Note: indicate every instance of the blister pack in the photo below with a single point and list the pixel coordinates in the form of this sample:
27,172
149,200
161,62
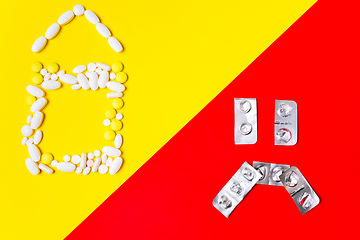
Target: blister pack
299,189
245,120
236,189
286,127
270,172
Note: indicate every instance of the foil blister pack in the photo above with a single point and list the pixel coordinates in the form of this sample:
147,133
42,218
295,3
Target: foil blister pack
286,126
245,120
270,172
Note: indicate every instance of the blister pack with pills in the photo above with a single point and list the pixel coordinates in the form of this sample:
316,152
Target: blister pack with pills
245,120
286,128
299,189
236,189
270,172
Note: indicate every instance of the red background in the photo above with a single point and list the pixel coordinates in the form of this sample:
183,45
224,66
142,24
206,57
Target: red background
315,63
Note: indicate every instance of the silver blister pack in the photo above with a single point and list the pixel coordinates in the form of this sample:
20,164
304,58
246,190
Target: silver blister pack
299,189
270,172
245,120
236,189
286,126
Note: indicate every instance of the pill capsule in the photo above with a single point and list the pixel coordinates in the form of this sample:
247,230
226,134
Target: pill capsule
26,131
103,158
103,66
76,159
86,171
66,158
97,153
79,69
96,164
37,119
34,152
115,86
93,81
45,168
54,163
78,10
35,91
103,30
66,17
65,166
91,17
91,67
24,140
90,155
75,87
83,161
115,165
89,163
38,105
112,76
118,140
103,79
107,122
37,137
69,79
52,31
32,166
115,44
60,73
119,116
78,170
114,95
39,44
111,151
83,81
43,71
51,85
103,169
54,76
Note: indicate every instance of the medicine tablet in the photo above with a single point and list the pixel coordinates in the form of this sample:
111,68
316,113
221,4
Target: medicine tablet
109,135
28,119
30,100
69,79
52,31
119,116
83,161
89,163
35,91
112,76
51,85
103,158
115,86
37,78
118,103
32,166
90,155
103,79
116,125
38,105
115,165
103,169
91,67
75,87
37,137
34,152
97,153
79,69
103,66
108,162
118,140
47,77
86,171
53,67
54,163
98,71
111,151
36,66
115,44
121,77
96,164
103,30
114,95
67,158
93,81
37,119
61,72
78,10
110,113
83,81
117,66
43,71
107,122
75,159
46,158
54,76
91,17
24,140
45,168
65,166
39,44
78,170
66,17
26,131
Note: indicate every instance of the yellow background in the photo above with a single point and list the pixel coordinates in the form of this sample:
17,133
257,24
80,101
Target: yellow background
178,54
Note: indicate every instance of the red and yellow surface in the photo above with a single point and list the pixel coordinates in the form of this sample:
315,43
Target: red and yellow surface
183,59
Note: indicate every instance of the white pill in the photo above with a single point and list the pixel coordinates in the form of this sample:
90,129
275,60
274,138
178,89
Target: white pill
90,156
26,131
47,76
75,87
83,81
114,95
96,164
98,71
78,170
75,159
97,153
24,140
67,158
66,17
103,169
91,67
78,10
34,152
45,168
69,79
32,166
38,105
103,79
65,166
115,165
103,30
91,17
93,81
118,140
54,163
87,74
115,44
119,116
61,72
31,140
43,71
83,161
112,76
52,31
103,66
37,137
54,76
111,151
103,158
35,91
108,162
106,122
115,86
39,44
79,69
37,120
86,171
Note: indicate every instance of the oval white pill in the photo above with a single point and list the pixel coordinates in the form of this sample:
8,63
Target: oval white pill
75,159
103,79
65,166
69,79
91,17
37,137
86,171
111,151
54,163
91,67
103,30
106,122
78,170
115,86
115,44
119,116
24,140
114,95
66,17
39,44
45,168
79,69
34,152
32,166
54,76
118,141
60,73
93,81
83,161
43,71
52,31
103,158
103,66
51,85
112,76
115,165
35,91
75,87
27,131
96,164
78,10
103,169
38,105
97,153
66,158
37,119
83,81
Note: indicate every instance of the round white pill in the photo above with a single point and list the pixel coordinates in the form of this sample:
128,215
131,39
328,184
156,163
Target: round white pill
28,119
78,170
97,153
54,163
107,123
91,67
43,71
78,10
24,140
28,131
66,158
112,76
75,159
90,156
54,76
119,116
103,169
86,171
109,161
